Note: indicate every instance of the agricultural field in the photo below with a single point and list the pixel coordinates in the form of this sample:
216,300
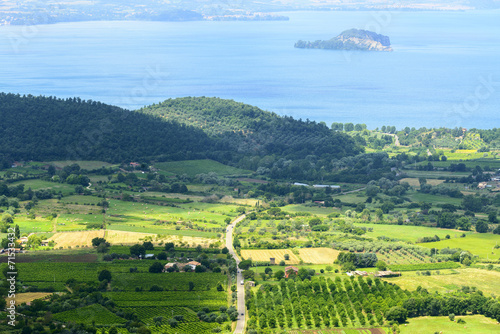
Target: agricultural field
88,165
72,239
450,280
195,167
266,254
415,183
473,324
318,255
480,244
433,174
410,233
37,184
28,297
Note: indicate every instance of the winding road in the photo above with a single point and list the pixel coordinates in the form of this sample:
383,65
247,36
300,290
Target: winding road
240,324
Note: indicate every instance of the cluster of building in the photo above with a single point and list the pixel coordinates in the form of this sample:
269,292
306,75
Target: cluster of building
182,266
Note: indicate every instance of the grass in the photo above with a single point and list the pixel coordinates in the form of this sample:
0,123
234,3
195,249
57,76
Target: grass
266,254
72,239
95,313
29,297
410,233
475,324
319,211
434,199
484,280
480,244
195,167
36,184
415,183
434,174
318,255
89,165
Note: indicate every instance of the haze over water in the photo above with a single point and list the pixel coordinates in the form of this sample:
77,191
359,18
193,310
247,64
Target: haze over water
437,75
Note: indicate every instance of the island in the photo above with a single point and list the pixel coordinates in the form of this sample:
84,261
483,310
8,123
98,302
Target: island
352,39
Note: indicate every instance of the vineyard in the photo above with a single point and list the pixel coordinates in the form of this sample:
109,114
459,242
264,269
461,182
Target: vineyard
426,266
169,281
195,300
403,256
189,324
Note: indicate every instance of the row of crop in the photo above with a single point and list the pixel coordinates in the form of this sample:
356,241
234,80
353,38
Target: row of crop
147,314
169,281
425,266
94,313
212,300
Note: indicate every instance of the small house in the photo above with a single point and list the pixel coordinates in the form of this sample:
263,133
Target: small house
251,283
149,256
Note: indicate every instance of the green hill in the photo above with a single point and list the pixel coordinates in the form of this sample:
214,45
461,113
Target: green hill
47,128
250,130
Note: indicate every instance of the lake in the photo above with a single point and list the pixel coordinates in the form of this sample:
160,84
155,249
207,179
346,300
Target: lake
444,71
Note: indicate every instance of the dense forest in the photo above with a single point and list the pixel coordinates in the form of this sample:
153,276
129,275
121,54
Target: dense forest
47,128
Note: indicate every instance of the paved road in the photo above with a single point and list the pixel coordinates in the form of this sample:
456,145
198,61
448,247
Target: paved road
240,324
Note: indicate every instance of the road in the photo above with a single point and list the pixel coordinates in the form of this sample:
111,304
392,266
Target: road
240,324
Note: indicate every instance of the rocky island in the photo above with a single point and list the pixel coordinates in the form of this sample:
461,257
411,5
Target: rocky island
353,39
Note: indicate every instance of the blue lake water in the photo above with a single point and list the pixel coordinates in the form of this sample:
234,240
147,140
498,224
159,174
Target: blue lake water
444,71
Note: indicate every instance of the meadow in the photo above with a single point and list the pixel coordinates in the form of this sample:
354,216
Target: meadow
474,324
195,167
480,244
450,280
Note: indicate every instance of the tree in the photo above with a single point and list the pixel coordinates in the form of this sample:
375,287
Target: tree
287,257
191,286
104,275
34,241
219,287
225,250
245,264
137,250
162,256
248,274
148,245
7,218
381,265
97,241
481,226
348,127
396,313
492,217
156,267
169,246
279,274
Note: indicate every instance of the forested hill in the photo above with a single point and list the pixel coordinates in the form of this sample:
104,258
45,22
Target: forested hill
250,130
46,128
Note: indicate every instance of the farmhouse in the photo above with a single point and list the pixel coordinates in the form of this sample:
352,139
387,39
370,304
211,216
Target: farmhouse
482,185
290,269
251,283
387,273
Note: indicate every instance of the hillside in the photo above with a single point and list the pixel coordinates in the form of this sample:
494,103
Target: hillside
46,128
250,130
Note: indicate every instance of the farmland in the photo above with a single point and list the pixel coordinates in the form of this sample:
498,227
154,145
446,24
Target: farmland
482,245
484,280
473,324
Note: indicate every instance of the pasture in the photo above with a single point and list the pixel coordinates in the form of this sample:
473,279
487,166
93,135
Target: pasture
84,164
266,254
415,183
475,324
481,244
451,280
195,167
318,255
410,233
28,297
72,239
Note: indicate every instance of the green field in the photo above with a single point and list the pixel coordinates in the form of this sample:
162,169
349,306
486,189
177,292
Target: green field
195,167
410,233
481,244
94,313
434,174
475,324
450,280
36,184
434,199
89,165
